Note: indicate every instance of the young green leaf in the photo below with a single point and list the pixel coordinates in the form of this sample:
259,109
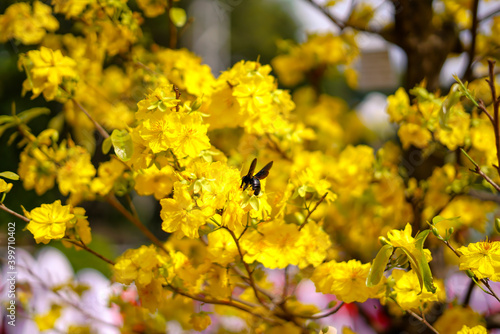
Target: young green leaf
122,143
9,175
378,267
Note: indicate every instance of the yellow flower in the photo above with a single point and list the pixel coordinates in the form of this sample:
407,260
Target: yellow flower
180,213
37,170
454,318
157,130
346,280
352,172
190,135
25,25
314,244
47,321
152,8
404,240
153,181
48,70
77,172
137,265
222,247
414,134
71,8
4,186
49,221
409,295
483,258
457,131
398,105
472,212
108,173
474,330
200,321
274,245
79,230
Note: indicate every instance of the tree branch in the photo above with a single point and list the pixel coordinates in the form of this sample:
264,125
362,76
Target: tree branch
472,49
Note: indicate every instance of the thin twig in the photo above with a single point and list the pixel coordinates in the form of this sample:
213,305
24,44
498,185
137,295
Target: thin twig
485,282
98,126
478,170
219,302
311,212
75,305
136,221
15,214
247,267
319,316
83,246
339,23
423,320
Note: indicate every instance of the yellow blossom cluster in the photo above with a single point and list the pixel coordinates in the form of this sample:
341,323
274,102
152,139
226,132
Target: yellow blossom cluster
317,53
176,133
27,24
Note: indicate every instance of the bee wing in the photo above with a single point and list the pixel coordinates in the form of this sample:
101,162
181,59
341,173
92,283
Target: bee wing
264,172
252,168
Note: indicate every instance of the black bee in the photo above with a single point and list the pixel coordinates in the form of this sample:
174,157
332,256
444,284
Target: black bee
254,180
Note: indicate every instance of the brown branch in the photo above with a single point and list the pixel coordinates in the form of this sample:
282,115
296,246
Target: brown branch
496,105
80,244
172,28
490,14
276,147
311,212
492,293
15,214
472,49
335,310
247,267
83,246
219,302
478,170
136,221
98,126
339,23
484,196
423,320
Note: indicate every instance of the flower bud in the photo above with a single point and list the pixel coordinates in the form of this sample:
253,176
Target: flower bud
383,241
497,225
470,273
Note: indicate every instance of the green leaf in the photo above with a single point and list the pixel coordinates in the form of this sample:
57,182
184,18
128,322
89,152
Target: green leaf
5,127
6,119
438,219
29,114
9,175
106,145
178,16
122,143
414,265
378,267
465,90
423,265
